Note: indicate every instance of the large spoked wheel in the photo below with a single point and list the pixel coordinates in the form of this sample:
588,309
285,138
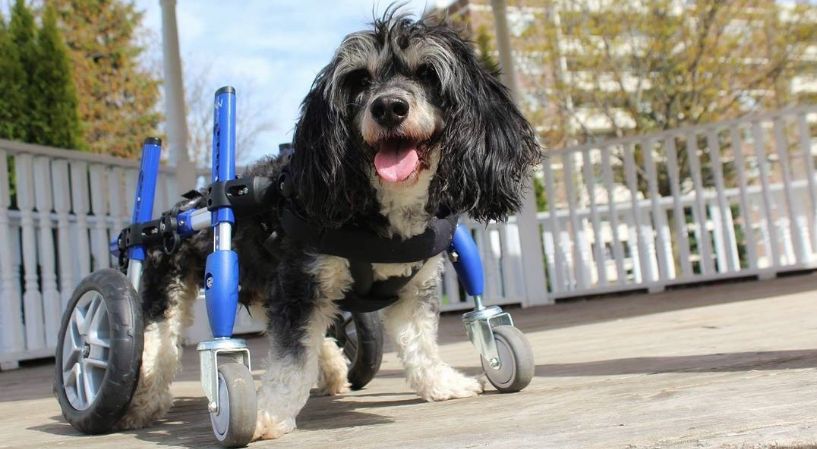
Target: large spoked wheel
99,352
360,335
515,368
234,424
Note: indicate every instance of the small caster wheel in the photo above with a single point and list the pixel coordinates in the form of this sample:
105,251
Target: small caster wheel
360,335
516,365
99,352
234,424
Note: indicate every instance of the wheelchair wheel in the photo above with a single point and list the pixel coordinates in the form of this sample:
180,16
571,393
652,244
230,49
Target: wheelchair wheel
99,352
234,424
515,369
360,335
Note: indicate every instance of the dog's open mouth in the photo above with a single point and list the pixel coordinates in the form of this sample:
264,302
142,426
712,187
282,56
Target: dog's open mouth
397,158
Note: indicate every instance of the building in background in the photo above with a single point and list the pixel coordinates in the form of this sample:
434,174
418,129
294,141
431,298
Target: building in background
590,69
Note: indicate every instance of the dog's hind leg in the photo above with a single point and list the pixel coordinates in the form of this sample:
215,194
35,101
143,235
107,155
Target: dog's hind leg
412,323
168,312
332,369
300,311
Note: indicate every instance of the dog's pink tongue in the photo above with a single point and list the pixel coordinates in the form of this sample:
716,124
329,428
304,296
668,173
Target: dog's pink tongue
395,163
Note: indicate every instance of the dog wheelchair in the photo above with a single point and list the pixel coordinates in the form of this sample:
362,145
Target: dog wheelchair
99,352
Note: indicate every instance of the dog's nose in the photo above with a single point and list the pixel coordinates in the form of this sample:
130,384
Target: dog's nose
389,111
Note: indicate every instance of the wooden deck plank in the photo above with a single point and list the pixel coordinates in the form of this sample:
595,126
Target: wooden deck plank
721,366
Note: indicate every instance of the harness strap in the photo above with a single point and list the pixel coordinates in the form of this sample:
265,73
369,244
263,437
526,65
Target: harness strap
368,295
362,247
355,243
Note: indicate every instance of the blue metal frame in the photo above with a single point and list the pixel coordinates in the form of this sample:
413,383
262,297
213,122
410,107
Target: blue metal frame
221,270
145,189
467,261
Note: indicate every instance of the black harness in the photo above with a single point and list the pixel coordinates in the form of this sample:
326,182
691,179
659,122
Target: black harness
362,248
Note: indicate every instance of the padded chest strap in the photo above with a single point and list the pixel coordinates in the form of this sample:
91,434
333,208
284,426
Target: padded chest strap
368,295
360,244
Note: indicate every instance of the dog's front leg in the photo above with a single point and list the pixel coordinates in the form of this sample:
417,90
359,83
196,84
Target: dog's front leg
299,315
412,324
291,372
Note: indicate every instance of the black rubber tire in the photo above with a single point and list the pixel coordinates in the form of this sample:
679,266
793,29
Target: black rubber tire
241,403
125,354
364,350
516,357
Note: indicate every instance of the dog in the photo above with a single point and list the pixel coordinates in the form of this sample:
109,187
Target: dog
402,122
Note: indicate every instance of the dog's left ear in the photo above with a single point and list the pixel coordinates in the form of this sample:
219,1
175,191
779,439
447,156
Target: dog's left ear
489,147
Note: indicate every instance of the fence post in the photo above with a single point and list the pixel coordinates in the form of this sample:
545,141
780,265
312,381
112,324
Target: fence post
745,209
580,259
62,205
663,243
797,222
11,328
559,282
768,204
699,211
618,251
79,194
808,159
52,306
532,261
637,234
32,298
678,209
99,206
598,243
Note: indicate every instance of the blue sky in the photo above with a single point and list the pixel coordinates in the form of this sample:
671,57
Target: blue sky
276,46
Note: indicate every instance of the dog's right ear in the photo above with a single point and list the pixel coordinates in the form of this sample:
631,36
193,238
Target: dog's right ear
323,165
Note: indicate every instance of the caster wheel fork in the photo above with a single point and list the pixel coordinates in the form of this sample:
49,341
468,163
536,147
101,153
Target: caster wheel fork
505,353
230,390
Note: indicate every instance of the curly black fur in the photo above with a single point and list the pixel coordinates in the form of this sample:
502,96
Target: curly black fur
488,148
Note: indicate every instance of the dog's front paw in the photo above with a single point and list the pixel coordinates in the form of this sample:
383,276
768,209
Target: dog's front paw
269,427
332,389
333,372
443,383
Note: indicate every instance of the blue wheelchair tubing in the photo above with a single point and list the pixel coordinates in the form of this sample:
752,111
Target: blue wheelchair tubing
468,263
221,269
145,189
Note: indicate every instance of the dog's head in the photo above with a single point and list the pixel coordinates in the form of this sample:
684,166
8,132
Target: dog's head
409,103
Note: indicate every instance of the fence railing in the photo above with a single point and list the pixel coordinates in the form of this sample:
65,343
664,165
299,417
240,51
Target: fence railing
58,211
729,199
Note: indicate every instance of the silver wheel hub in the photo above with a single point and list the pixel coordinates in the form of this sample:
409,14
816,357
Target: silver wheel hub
86,350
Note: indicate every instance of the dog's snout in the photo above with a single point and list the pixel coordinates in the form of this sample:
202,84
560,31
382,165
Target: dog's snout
389,111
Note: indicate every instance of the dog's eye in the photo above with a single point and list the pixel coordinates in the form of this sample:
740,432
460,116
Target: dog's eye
358,80
427,74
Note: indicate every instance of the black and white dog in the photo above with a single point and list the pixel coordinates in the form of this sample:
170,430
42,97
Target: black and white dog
403,121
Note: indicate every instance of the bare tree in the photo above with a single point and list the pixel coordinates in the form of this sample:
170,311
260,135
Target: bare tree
251,121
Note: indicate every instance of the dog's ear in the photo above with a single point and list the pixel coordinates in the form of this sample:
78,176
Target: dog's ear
324,168
489,148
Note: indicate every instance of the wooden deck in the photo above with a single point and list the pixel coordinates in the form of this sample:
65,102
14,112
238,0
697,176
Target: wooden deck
732,366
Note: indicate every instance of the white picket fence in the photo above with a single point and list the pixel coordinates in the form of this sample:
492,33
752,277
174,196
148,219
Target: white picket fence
739,200
609,227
